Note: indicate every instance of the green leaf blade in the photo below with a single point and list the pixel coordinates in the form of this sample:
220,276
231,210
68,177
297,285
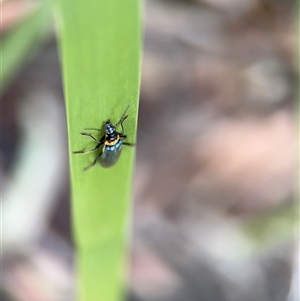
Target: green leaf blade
101,44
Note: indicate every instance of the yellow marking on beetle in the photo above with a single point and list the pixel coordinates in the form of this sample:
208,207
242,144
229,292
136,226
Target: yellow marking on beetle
112,142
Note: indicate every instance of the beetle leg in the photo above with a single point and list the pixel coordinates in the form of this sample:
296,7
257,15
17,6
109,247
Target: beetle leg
89,150
129,144
123,137
94,129
89,135
94,163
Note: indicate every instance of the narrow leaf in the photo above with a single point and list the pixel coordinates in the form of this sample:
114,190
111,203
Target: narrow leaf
19,45
100,47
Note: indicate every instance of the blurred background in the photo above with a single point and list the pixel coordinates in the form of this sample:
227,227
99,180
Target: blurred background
215,182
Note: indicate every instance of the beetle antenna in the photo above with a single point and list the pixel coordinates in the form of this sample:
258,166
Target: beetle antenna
124,116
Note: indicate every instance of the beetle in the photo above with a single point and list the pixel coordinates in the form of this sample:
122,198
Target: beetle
112,142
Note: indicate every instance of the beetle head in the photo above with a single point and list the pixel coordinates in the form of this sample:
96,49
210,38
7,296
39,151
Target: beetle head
109,128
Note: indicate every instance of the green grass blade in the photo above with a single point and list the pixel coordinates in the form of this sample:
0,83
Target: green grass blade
21,43
100,46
